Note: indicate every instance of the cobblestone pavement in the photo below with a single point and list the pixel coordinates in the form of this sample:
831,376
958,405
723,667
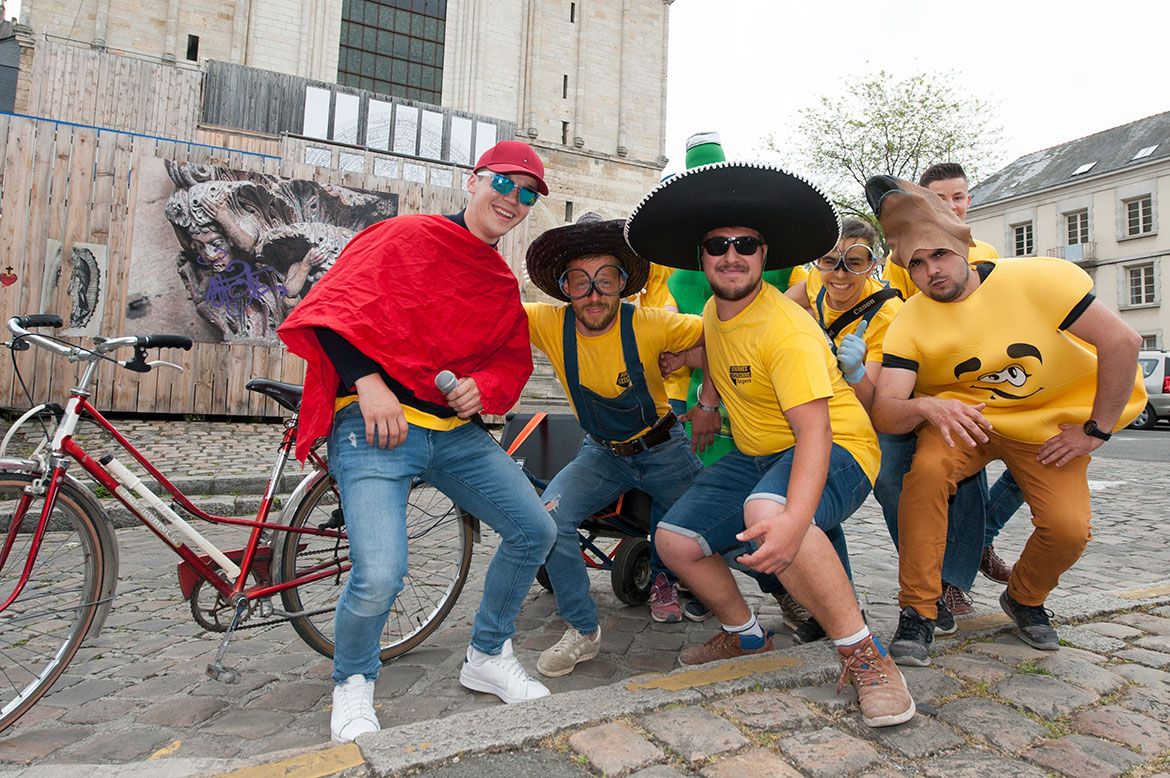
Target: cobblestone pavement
138,691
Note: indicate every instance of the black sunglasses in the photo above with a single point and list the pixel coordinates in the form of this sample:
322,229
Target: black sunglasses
745,245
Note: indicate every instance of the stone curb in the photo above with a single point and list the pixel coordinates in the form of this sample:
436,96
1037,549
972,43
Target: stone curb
424,744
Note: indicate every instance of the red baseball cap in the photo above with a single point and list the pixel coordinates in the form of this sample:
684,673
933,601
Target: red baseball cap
513,156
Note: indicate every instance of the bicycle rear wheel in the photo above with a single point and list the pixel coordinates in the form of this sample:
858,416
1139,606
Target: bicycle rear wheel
439,545
42,629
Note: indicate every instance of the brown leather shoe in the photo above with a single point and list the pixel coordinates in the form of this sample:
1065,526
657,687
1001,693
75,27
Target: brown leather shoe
993,567
881,689
723,645
958,602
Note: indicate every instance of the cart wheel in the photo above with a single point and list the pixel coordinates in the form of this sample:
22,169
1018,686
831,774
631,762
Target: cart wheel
543,580
630,574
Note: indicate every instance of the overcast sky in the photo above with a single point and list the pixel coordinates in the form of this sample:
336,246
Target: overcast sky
1052,71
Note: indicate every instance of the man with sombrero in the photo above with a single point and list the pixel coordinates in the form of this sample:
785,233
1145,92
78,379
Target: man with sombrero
806,454
605,354
990,362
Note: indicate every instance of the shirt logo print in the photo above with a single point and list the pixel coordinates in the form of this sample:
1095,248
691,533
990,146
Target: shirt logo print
623,379
740,374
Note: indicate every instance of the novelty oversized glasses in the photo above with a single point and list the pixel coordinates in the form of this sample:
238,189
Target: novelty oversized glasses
858,259
745,245
504,185
609,280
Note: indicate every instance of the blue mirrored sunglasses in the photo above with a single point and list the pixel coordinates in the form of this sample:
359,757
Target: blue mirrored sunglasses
504,185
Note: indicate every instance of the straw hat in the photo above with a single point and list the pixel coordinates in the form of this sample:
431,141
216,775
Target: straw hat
553,250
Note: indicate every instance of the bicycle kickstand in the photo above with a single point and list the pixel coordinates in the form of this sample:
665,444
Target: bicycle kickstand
217,669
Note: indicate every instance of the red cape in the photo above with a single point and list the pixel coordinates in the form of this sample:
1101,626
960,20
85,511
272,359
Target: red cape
417,294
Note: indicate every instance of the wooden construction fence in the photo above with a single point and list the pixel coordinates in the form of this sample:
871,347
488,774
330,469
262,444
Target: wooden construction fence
76,184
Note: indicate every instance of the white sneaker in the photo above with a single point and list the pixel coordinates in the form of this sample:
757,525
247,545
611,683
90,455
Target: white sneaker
353,709
573,647
500,675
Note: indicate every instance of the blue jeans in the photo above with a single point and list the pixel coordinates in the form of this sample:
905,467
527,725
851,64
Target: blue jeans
711,512
1003,500
965,515
589,483
468,466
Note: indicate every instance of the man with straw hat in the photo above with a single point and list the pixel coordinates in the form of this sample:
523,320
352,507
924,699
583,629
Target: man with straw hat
990,362
806,454
605,354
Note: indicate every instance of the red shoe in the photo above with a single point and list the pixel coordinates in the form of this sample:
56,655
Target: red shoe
664,605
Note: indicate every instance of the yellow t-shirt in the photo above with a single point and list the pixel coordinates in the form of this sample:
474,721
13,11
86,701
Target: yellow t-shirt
1002,346
899,277
657,295
875,333
798,274
772,357
600,365
413,415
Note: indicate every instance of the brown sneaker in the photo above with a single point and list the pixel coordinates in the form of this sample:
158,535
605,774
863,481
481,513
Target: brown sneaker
993,567
881,689
958,602
723,645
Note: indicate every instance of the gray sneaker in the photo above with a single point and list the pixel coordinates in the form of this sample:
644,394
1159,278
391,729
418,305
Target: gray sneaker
572,649
912,639
1032,624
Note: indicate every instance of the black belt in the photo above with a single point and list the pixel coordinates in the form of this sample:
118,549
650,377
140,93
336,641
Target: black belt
659,433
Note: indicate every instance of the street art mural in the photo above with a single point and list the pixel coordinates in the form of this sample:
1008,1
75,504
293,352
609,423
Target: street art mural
75,284
243,248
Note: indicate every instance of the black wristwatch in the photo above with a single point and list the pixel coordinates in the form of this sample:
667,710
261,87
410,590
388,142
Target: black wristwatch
1091,428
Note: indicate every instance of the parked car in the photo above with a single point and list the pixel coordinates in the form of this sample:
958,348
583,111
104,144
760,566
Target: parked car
1156,369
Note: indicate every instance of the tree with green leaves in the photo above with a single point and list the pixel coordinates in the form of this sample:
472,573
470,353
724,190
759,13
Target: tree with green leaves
881,125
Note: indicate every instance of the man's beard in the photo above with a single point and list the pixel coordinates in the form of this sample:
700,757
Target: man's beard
955,292
732,292
594,324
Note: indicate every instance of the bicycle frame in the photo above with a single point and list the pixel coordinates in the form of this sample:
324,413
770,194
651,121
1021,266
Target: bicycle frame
54,471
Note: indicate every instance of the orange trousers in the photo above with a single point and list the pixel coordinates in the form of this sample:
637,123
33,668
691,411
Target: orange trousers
1058,497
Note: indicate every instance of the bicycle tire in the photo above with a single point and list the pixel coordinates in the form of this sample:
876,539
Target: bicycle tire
69,586
438,560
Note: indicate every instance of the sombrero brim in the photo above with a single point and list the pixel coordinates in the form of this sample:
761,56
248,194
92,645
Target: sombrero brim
553,250
798,223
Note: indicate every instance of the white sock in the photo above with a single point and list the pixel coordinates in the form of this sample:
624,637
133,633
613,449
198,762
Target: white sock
752,627
853,639
477,657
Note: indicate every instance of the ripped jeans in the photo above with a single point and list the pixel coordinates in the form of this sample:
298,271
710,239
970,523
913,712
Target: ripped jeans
589,483
468,466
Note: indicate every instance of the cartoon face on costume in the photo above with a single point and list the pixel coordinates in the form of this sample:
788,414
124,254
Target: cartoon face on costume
1010,381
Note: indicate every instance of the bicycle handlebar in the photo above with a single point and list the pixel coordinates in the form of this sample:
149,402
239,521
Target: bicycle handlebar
17,325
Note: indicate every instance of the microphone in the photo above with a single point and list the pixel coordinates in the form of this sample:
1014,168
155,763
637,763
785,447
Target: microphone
446,382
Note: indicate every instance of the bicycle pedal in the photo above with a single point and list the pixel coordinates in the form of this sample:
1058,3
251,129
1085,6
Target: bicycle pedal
222,673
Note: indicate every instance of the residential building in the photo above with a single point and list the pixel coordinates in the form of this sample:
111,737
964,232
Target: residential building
1098,201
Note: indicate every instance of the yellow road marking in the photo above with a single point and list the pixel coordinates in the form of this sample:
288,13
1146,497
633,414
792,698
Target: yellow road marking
756,665
1142,594
166,750
981,622
315,765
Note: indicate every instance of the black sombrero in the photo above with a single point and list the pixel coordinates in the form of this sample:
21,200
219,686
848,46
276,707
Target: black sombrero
552,250
798,223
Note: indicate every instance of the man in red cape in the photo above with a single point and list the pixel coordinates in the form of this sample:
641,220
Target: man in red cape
408,298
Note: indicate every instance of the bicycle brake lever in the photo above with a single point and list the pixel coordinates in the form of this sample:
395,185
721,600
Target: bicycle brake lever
161,363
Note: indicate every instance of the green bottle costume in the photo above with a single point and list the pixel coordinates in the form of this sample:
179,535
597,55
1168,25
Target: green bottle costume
691,292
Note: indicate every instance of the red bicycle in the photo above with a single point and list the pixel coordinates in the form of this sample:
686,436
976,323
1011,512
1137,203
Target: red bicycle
59,553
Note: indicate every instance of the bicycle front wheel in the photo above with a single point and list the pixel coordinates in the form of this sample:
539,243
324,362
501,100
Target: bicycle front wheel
439,541
45,625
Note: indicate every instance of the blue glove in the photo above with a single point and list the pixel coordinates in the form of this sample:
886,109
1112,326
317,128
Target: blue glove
851,354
